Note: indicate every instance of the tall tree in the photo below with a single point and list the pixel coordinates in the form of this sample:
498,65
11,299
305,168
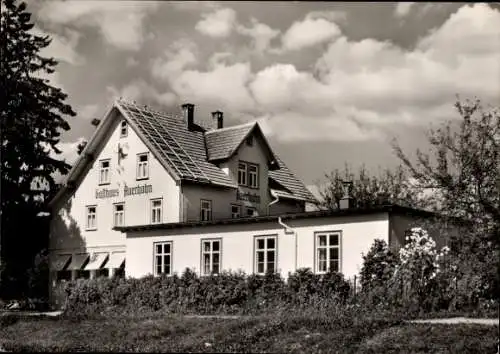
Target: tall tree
32,117
463,168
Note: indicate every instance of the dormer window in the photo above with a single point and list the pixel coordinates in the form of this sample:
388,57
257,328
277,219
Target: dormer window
248,174
249,140
253,176
242,174
123,129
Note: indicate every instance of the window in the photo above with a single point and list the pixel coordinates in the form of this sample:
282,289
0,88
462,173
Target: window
265,254
253,176
252,211
156,211
249,140
235,211
104,171
206,210
123,129
91,218
242,174
102,272
64,275
328,252
142,166
119,214
210,256
163,258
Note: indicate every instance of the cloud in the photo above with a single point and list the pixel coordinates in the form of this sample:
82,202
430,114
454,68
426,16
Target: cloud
69,150
403,9
309,32
142,92
119,22
61,47
217,24
261,35
181,54
88,111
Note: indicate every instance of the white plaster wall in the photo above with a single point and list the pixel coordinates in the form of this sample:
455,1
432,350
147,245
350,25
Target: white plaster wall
358,234
221,198
68,227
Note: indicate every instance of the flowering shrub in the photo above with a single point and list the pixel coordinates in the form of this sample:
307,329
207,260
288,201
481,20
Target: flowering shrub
415,275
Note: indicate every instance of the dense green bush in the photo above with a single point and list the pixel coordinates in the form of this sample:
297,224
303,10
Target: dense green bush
227,292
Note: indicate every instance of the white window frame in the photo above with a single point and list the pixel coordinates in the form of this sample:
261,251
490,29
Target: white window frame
155,210
104,172
205,210
210,253
253,176
242,173
328,247
266,251
159,257
123,129
91,218
118,213
237,214
142,167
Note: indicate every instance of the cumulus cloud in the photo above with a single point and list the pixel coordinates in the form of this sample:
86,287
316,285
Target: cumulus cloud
62,46
88,111
311,31
141,91
261,35
218,24
175,59
403,9
119,22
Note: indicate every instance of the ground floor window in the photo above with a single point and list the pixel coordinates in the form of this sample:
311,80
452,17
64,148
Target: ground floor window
119,272
63,275
83,274
163,258
265,254
210,254
103,272
327,252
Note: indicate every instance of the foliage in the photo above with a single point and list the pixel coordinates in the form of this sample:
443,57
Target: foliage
32,117
462,169
388,187
225,293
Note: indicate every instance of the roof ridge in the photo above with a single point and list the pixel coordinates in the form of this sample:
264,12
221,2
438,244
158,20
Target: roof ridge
231,127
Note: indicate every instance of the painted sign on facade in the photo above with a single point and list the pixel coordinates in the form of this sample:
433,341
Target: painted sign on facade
127,191
253,198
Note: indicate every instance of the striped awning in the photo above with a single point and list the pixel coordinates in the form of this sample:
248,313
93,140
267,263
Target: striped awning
116,260
59,262
77,261
96,261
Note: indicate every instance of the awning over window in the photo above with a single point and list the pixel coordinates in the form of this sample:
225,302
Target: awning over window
96,261
116,260
59,262
77,261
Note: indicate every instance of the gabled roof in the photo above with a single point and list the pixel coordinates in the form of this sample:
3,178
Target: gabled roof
185,153
223,143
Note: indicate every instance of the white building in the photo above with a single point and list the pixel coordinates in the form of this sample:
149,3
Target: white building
157,193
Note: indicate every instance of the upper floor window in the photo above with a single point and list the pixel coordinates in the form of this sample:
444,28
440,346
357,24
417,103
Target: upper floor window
156,211
265,254
142,166
163,258
248,174
253,176
206,210
119,214
252,211
123,129
92,217
327,252
104,171
242,174
235,211
210,253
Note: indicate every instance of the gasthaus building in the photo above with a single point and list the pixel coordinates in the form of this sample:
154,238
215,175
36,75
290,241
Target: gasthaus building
156,193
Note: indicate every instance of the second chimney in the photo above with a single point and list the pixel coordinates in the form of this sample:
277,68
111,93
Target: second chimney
188,109
218,117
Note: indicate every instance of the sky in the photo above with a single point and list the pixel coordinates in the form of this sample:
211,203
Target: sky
330,83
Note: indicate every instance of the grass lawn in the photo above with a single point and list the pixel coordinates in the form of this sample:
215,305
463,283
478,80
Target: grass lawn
300,334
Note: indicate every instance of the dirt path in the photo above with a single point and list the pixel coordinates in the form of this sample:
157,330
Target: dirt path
455,320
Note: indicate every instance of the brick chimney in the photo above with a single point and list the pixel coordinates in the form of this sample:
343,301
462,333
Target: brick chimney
218,117
188,109
347,200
